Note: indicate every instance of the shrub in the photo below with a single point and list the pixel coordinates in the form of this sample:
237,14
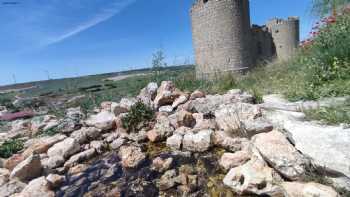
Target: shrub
139,114
10,147
329,51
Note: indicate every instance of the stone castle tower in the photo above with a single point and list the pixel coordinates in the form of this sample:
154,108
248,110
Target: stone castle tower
224,40
285,34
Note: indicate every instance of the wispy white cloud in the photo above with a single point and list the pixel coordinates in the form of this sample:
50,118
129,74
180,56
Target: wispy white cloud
104,15
34,25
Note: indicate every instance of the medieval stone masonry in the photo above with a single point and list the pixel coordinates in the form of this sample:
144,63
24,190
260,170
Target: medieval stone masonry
224,40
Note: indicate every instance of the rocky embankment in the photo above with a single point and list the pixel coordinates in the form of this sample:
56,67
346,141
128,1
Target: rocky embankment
196,145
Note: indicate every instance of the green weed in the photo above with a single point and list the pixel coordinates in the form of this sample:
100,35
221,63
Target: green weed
139,114
330,115
10,147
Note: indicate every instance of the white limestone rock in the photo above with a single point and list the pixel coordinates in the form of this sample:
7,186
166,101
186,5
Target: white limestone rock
103,120
231,117
254,177
315,140
64,149
280,154
197,142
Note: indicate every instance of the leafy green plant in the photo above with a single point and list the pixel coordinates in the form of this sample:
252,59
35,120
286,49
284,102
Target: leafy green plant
10,147
139,114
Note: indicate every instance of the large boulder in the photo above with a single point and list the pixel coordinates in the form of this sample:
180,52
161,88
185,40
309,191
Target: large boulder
104,120
64,149
296,189
211,103
37,187
131,156
166,94
280,154
254,177
198,142
231,118
27,169
316,140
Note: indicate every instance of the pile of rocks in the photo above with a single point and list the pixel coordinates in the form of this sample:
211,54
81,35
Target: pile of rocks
94,152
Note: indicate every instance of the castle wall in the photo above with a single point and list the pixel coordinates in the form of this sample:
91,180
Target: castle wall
221,36
262,43
285,34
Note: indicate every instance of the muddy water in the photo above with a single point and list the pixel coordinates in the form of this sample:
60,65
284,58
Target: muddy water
106,177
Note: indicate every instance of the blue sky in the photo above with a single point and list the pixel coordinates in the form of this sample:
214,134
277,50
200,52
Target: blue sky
66,38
